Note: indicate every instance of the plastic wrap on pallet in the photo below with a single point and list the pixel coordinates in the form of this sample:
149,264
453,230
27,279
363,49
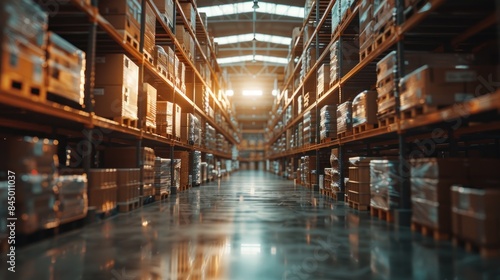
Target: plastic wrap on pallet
344,117
475,212
336,15
434,86
162,175
25,19
72,190
197,167
384,184
384,14
65,69
364,108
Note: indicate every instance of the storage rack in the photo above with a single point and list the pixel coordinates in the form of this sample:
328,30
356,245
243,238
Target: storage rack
80,22
433,25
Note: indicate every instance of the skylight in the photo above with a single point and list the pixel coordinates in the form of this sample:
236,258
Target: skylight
246,7
249,37
236,59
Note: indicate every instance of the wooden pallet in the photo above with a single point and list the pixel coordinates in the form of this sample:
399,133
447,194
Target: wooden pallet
126,121
17,84
57,98
148,57
428,231
127,207
364,53
162,196
364,127
328,140
387,32
357,206
178,139
129,39
344,134
162,71
386,120
150,129
382,214
484,251
419,110
413,8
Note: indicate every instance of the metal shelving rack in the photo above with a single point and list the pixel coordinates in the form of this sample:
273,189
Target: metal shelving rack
28,115
467,22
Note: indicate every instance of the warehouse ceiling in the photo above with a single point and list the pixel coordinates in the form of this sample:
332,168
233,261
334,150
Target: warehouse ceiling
254,65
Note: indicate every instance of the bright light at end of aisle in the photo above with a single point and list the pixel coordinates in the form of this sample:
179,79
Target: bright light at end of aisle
229,92
252,92
274,92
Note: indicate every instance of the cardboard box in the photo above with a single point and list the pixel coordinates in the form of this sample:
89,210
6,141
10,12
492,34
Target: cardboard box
122,7
150,93
116,70
178,118
115,102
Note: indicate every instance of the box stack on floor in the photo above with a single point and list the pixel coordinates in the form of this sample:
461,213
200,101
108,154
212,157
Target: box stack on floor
128,183
337,192
162,176
358,186
102,190
185,167
328,122
23,43
204,172
384,187
72,190
197,168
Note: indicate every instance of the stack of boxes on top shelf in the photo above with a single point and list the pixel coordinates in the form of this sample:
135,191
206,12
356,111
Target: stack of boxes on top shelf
340,10
366,37
149,33
27,47
162,175
166,9
125,17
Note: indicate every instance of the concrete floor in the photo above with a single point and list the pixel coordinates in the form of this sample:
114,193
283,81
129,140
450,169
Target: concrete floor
249,226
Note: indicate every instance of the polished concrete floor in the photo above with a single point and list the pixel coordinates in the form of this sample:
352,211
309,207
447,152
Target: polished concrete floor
248,226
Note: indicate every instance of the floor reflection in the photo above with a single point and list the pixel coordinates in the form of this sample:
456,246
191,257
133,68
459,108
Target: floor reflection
249,226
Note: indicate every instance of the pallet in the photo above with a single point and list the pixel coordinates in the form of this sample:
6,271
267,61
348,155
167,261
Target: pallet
363,54
419,110
129,39
328,140
428,231
386,121
364,127
178,139
126,121
148,57
150,129
357,206
59,99
388,31
162,196
344,134
413,8
485,252
124,207
19,85
382,214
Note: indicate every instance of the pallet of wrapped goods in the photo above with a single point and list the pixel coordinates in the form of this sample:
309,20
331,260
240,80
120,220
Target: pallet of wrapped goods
23,27
185,168
102,190
190,14
190,126
65,70
116,88
162,178
149,34
366,41
161,61
344,55
128,185
431,179
344,119
197,168
364,111
429,88
384,19
384,188
150,94
73,201
125,17
359,183
165,118
365,13
166,9
475,216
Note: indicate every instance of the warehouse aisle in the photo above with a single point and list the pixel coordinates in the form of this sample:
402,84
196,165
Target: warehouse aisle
249,226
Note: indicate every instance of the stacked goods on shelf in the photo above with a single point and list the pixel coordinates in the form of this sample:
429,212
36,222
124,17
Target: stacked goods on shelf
23,28
335,175
183,156
116,88
126,157
323,79
190,128
210,134
177,70
102,187
308,168
327,185
162,176
384,184
431,180
128,182
160,57
475,216
197,180
209,159
171,63
359,183
65,69
343,57
339,12
288,115
299,104
384,19
186,40
150,94
149,33
33,164
310,127
366,37
125,17
178,120
72,190
364,111
204,172
190,14
344,118
166,9
306,100
164,118
328,122
177,176
299,136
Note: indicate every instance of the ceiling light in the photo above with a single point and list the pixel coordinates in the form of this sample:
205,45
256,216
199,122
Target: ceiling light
275,92
255,4
248,92
229,92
